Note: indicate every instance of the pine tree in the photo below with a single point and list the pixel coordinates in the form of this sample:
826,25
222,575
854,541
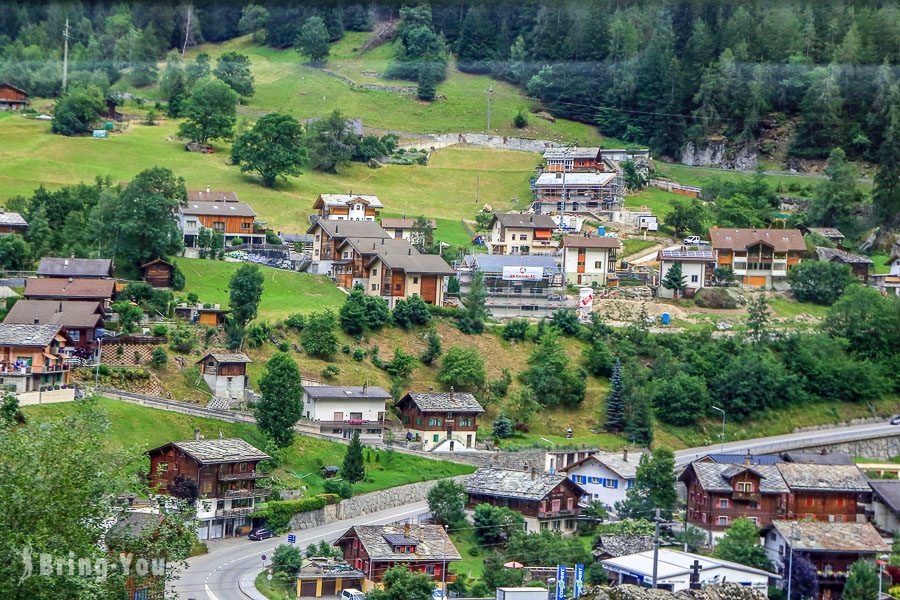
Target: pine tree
639,424
354,469
615,407
886,195
674,280
862,583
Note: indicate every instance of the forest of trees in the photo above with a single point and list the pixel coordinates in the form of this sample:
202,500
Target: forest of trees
649,73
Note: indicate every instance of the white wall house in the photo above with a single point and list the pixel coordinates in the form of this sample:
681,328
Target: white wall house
694,264
605,477
342,410
589,259
348,207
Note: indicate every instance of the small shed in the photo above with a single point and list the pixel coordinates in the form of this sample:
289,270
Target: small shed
329,471
226,374
158,273
12,97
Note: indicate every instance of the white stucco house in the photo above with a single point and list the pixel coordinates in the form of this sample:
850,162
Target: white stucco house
605,477
590,259
694,266
343,410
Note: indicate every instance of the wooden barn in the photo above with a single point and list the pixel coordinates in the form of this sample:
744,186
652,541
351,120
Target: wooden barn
158,273
12,98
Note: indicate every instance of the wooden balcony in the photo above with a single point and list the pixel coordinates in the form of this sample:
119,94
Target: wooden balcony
247,493
557,514
746,496
245,476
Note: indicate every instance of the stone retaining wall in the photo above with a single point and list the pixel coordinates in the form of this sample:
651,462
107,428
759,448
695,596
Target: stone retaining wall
883,448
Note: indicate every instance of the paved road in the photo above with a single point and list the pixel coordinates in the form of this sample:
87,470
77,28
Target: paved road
792,441
218,574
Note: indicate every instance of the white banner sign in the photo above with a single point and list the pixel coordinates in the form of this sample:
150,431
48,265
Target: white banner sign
523,273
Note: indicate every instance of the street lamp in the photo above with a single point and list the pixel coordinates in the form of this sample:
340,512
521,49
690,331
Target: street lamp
444,562
723,426
882,560
794,536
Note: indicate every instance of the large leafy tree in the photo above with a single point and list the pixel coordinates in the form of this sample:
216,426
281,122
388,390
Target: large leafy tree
245,292
254,19
688,217
138,224
313,40
272,148
654,487
862,583
837,195
867,320
210,112
399,583
740,544
820,282
280,406
551,378
495,524
680,398
318,337
233,68
173,83
15,254
447,502
76,112
330,143
462,369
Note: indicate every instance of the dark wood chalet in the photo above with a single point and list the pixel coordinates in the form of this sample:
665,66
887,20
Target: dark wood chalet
440,419
546,500
158,273
80,319
225,473
373,549
12,97
12,222
826,492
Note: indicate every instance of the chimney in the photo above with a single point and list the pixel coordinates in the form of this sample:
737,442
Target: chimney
533,474
365,387
66,262
37,321
625,454
451,392
196,434
409,252
207,189
336,229
220,434
747,460
70,280
406,529
430,388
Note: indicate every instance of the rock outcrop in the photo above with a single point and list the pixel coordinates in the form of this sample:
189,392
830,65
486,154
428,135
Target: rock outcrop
715,152
724,591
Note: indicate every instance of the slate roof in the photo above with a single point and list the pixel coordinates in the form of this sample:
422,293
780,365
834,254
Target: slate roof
524,221
356,392
888,491
233,209
574,179
626,468
833,254
827,232
211,196
55,312
444,402
58,287
75,267
294,238
216,451
12,219
227,357
571,152
740,459
818,458
370,246
782,240
594,241
821,536
621,544
344,199
349,229
132,525
494,263
404,223
715,477
426,264
38,336
845,478
505,483
431,542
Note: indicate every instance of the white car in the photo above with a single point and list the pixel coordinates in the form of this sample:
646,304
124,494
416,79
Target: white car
352,594
692,240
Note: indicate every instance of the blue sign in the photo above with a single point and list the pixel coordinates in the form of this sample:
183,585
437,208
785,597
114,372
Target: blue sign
579,579
292,538
561,582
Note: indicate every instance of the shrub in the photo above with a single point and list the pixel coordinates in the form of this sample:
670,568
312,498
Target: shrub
515,330
330,372
182,339
715,298
258,334
278,513
345,348
520,121
296,321
159,357
160,330
359,354
284,347
341,487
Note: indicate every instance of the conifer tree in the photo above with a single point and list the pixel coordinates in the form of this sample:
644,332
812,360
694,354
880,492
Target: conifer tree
886,195
639,424
674,279
615,408
354,469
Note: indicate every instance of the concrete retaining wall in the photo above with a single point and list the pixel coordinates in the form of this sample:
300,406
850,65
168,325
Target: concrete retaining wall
49,397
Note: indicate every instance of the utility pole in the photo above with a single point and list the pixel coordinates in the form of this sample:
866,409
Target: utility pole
187,29
490,94
65,76
656,546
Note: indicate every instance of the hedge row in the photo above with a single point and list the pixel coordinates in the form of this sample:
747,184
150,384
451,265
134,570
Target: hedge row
278,513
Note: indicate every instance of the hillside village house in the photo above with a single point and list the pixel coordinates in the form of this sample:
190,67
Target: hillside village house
76,268
445,421
12,97
758,257
31,357
348,207
889,283
886,504
831,547
835,493
860,265
399,276
577,192
605,477
220,212
12,222
695,270
158,273
405,229
589,260
225,473
328,235
226,375
573,159
344,410
59,288
521,233
831,234
80,320
545,500
355,254
373,549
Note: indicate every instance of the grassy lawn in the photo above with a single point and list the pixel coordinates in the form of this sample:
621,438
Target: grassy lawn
698,176
880,268
456,183
136,429
660,202
635,245
470,566
277,589
782,307
284,292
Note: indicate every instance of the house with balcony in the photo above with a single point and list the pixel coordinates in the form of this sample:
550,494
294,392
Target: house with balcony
590,260
577,192
31,356
348,207
397,276
574,159
83,289
696,269
546,501
758,257
12,97
831,547
605,477
329,235
342,411
886,504
405,229
226,375
225,473
858,264
517,285
836,493
373,549
521,233
79,319
91,268
220,212
445,421
354,255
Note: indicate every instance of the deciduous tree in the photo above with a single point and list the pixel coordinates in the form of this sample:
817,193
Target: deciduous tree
462,369
313,40
273,148
740,544
820,282
245,291
210,112
233,68
447,502
549,375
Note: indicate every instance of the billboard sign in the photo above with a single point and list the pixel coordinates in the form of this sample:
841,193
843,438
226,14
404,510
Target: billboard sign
523,273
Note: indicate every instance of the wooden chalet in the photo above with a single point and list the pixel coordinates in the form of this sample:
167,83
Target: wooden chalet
80,319
226,374
158,273
12,97
12,222
441,419
30,356
58,288
222,213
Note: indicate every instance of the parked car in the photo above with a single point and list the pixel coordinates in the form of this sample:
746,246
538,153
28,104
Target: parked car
437,594
352,594
895,420
692,240
260,533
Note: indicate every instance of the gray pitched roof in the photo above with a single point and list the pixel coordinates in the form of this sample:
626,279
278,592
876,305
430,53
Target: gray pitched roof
349,229
504,483
571,152
215,451
827,232
817,458
425,264
404,223
445,402
821,536
357,392
208,195
622,544
574,179
833,254
624,467
888,491
524,221
431,542
55,312
12,219
38,336
740,459
845,478
75,267
227,357
715,477
133,525
234,209
370,246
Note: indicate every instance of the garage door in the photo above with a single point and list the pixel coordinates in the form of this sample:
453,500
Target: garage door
429,289
308,588
755,281
328,587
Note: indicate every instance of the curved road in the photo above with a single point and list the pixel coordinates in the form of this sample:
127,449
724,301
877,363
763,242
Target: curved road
218,574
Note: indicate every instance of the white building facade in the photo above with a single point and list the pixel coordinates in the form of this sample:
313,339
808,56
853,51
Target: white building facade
605,477
694,266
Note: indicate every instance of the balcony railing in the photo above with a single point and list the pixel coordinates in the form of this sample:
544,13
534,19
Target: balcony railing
7,369
558,513
247,475
235,512
747,496
248,493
